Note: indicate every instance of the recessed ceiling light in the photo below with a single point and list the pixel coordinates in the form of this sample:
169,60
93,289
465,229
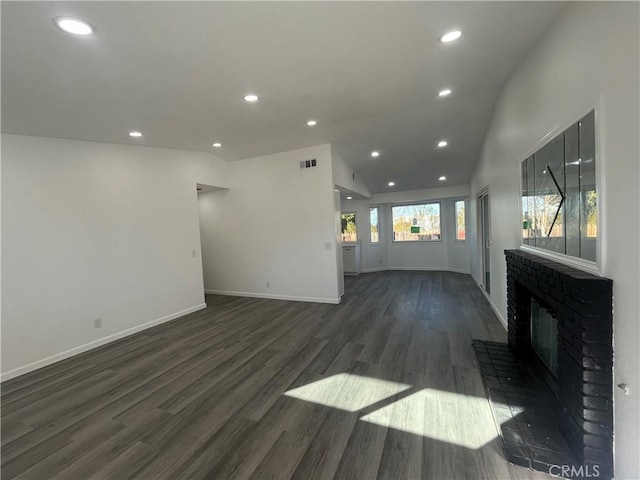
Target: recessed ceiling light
445,92
217,145
442,143
251,98
391,184
375,154
349,198
73,25
451,36
135,134
442,178
312,123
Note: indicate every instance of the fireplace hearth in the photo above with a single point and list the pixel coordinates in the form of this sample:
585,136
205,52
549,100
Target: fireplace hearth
582,306
525,409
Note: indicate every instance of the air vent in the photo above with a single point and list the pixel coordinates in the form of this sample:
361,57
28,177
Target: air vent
304,164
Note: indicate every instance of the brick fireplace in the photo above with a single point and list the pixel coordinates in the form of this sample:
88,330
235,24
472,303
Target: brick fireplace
581,304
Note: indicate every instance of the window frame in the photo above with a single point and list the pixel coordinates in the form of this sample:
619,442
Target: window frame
439,203
379,242
355,222
596,267
455,221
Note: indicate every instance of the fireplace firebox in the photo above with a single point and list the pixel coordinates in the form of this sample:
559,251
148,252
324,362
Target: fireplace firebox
560,322
544,336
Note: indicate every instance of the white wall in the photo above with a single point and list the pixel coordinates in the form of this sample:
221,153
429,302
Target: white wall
344,176
273,225
337,212
387,255
590,57
95,230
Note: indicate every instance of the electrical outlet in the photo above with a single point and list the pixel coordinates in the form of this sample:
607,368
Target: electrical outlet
380,261
268,285
193,253
97,323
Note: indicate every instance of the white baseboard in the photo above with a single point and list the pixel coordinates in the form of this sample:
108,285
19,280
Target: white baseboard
459,270
378,269
498,314
416,269
492,305
96,343
271,296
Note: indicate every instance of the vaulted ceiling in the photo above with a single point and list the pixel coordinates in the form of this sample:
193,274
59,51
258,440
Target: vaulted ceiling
368,72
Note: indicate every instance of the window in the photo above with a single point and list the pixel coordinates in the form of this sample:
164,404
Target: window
460,225
374,225
416,223
559,198
349,227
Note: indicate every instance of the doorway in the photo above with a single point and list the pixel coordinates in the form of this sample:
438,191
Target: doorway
485,240
208,200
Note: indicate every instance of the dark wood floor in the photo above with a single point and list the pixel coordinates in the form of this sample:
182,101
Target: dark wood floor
384,385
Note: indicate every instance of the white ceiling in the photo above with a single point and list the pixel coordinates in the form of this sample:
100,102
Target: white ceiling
369,72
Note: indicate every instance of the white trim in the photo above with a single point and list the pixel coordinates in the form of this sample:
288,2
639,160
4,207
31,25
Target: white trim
417,269
558,129
455,220
492,305
599,266
496,311
96,343
401,242
377,269
271,296
484,191
379,243
458,270
412,204
575,262
601,175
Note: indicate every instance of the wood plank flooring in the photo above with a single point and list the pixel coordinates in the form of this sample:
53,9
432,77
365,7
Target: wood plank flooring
383,386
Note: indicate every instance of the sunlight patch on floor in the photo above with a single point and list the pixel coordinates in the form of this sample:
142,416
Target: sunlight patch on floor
449,417
347,391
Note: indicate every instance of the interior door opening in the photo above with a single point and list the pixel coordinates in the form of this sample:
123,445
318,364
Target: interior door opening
207,197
